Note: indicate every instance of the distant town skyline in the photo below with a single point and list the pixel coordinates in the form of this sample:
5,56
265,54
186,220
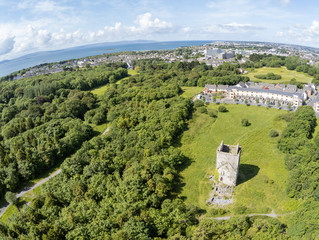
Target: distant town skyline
28,26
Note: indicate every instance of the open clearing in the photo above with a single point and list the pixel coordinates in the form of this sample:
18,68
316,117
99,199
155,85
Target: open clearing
191,91
99,91
286,75
262,173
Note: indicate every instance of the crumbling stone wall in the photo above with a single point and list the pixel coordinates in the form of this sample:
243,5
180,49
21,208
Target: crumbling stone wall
227,163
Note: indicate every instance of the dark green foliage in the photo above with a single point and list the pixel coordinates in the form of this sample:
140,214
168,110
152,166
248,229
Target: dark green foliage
40,120
273,133
203,109
198,103
11,198
298,130
245,122
212,114
269,76
222,109
302,155
304,223
292,62
239,228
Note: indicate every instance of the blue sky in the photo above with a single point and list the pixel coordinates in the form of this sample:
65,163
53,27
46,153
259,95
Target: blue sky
35,25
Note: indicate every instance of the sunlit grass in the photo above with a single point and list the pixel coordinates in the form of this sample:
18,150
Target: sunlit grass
260,194
286,75
99,91
191,91
12,209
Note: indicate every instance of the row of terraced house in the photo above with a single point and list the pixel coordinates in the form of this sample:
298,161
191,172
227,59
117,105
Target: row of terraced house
284,94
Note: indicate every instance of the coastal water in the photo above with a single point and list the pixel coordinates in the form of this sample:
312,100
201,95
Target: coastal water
30,60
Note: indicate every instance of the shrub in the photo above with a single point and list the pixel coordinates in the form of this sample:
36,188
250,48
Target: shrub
245,122
212,114
11,198
198,103
273,133
202,109
268,76
240,209
222,109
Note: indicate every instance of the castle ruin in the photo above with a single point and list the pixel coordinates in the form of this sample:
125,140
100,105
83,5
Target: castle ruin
227,165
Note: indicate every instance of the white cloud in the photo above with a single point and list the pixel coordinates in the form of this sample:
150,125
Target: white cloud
42,6
279,34
36,37
285,2
6,45
301,34
232,28
48,6
146,23
144,26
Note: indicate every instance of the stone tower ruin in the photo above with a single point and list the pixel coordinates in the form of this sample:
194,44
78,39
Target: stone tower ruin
227,163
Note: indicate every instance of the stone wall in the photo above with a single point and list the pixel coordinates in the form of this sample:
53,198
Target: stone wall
227,163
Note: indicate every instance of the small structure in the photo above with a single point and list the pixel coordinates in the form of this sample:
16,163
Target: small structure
227,163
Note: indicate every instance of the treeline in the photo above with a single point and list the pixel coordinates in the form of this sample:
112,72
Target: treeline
302,161
268,76
44,119
39,149
192,73
291,63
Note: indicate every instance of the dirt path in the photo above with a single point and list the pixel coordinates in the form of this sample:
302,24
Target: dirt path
106,130
272,214
27,189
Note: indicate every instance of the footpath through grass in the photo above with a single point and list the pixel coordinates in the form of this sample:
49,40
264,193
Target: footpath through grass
262,174
286,75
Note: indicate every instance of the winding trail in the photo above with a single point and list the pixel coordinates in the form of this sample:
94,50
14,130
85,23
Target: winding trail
27,189
272,214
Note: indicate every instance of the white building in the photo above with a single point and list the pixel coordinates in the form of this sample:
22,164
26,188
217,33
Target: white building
263,92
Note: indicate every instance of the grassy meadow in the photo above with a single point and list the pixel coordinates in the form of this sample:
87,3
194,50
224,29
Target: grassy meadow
286,75
262,174
99,91
191,91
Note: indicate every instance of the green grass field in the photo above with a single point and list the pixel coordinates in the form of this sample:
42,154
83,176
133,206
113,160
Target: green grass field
191,91
100,128
286,75
100,90
10,210
262,172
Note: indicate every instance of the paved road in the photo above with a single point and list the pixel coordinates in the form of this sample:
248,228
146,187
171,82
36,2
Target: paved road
272,214
27,189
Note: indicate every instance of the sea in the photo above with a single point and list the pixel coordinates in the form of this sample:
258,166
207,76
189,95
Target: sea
30,60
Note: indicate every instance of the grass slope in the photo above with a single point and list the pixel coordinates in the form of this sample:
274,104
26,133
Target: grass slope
262,171
191,91
286,75
100,90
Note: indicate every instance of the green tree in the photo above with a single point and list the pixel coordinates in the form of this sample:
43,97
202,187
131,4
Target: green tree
222,109
245,122
273,133
11,198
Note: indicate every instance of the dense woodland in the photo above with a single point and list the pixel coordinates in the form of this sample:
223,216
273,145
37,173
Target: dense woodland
42,120
123,185
302,162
